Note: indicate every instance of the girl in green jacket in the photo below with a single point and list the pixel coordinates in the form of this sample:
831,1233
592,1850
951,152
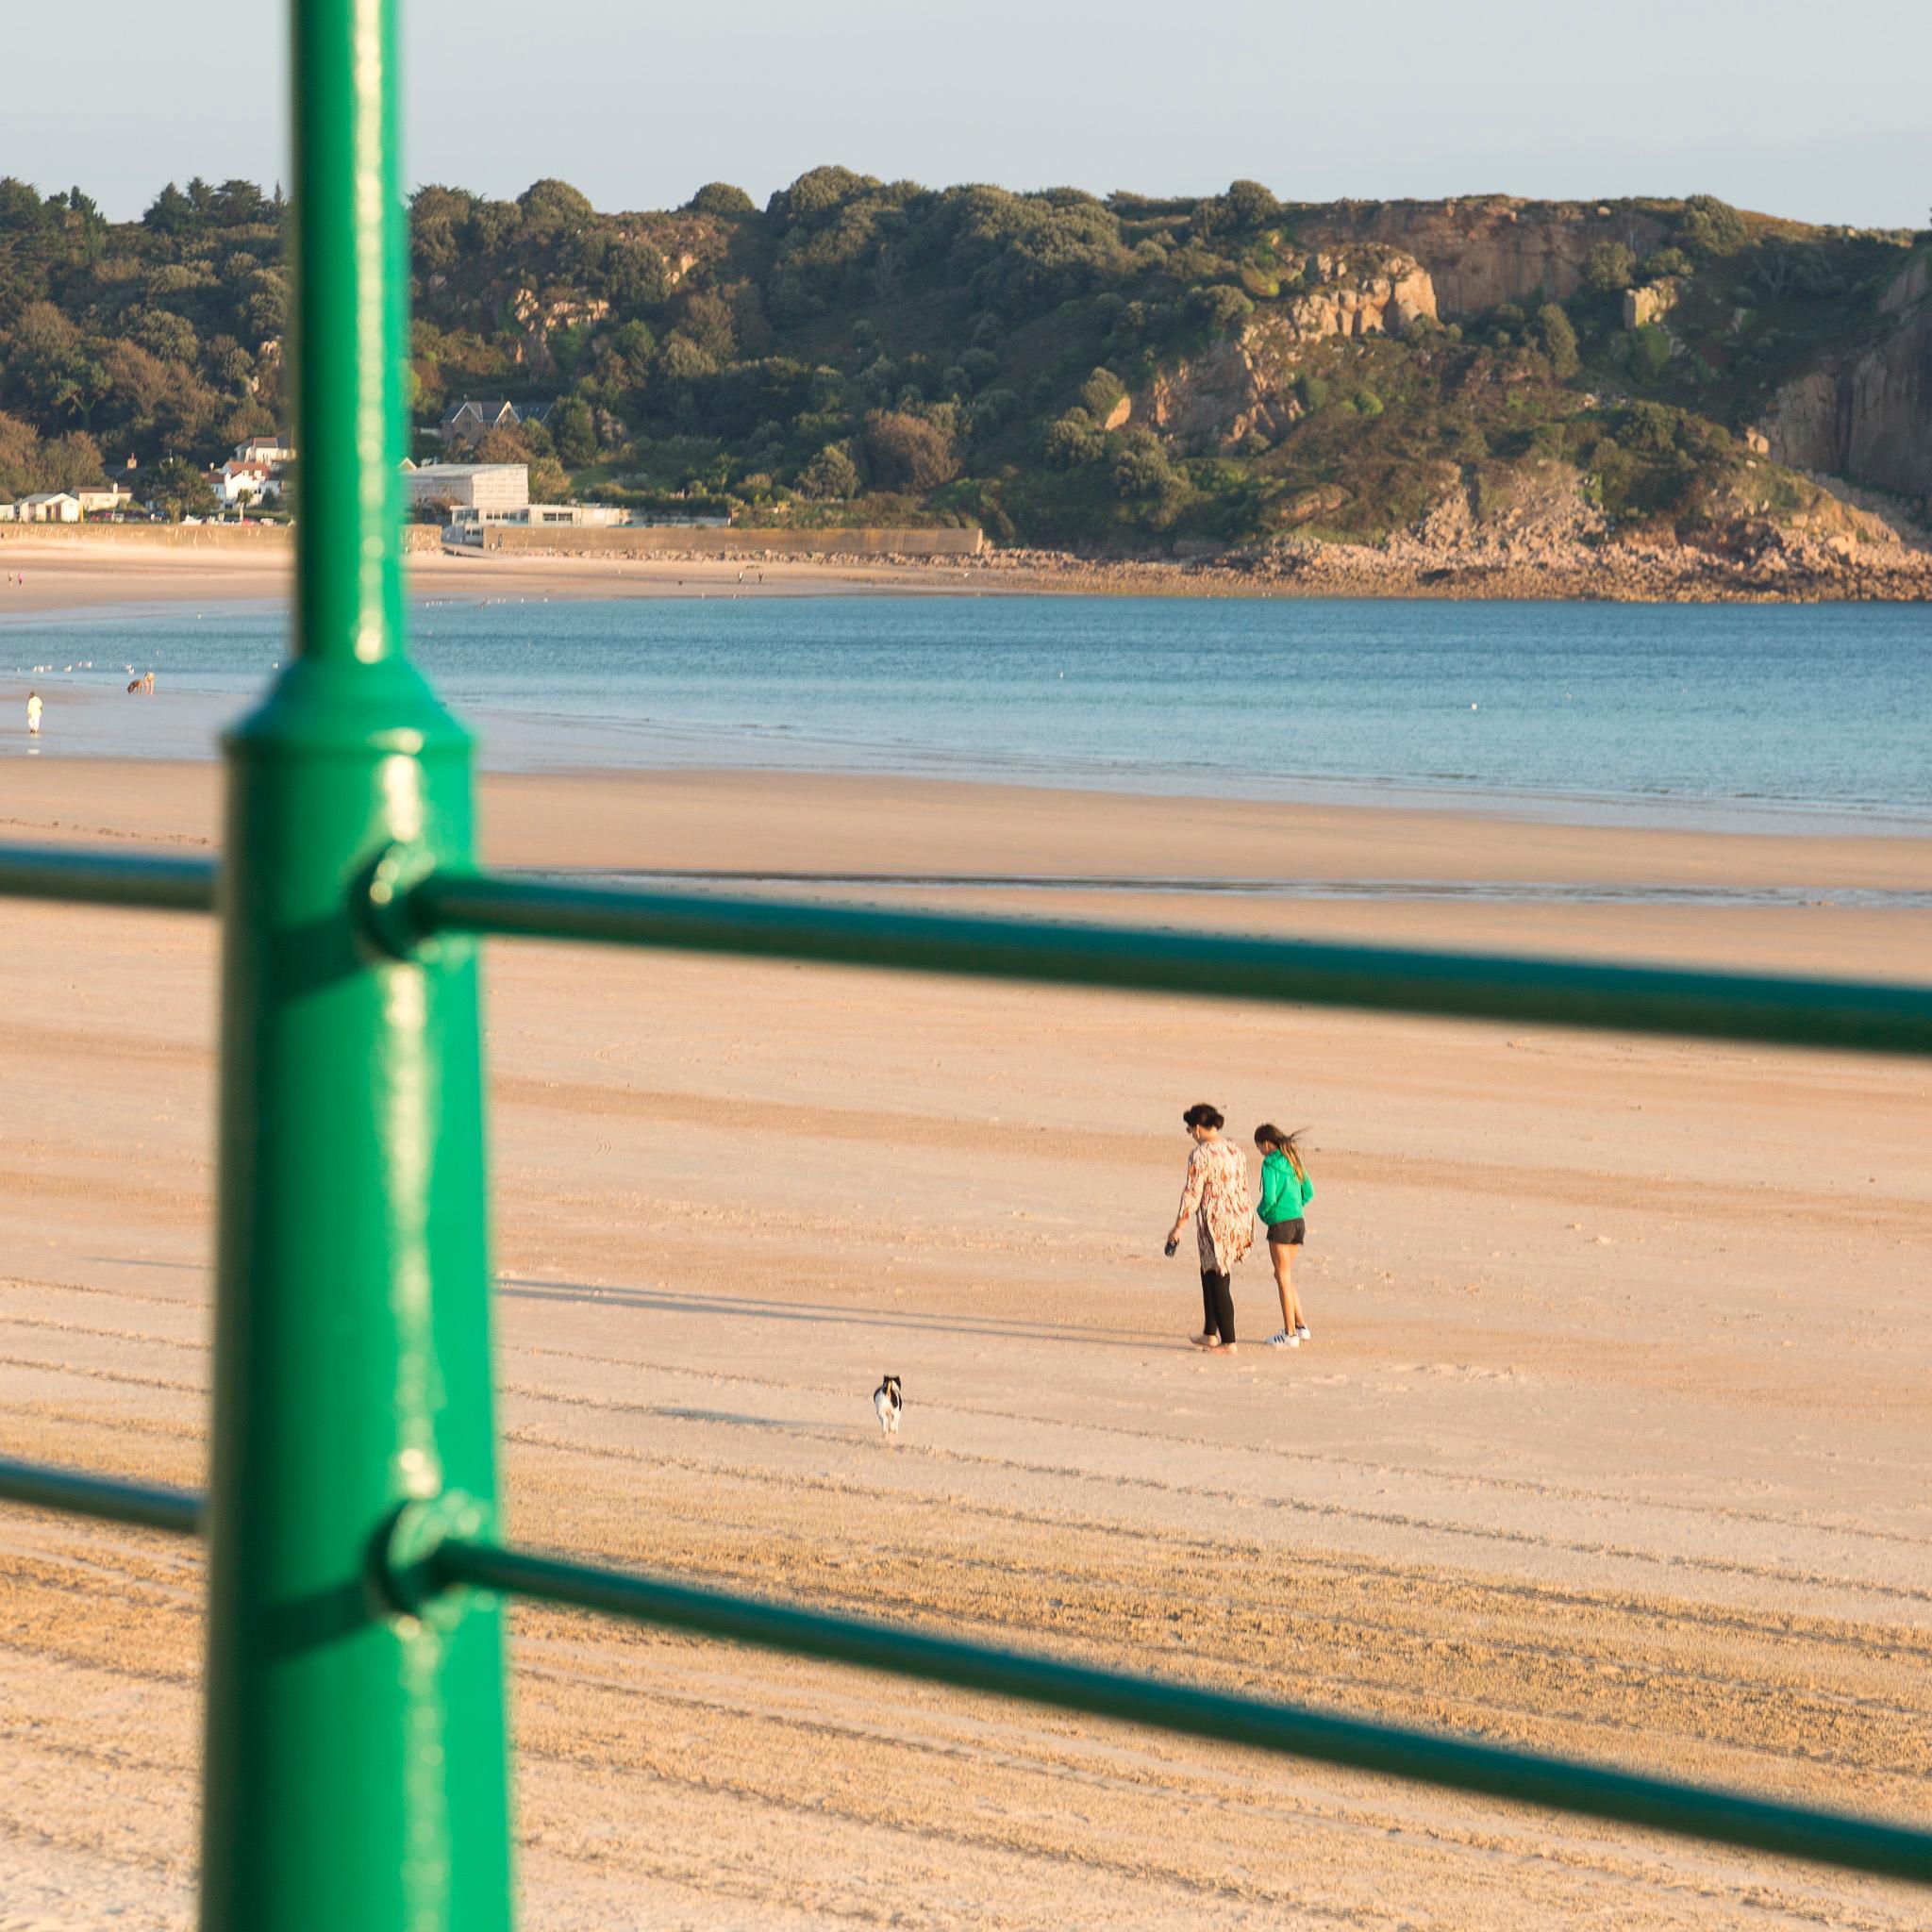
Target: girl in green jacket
1286,1191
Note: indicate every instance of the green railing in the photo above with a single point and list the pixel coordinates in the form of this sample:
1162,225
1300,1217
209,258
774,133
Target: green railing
357,1770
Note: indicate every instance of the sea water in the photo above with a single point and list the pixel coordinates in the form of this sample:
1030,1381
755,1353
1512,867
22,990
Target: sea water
1705,714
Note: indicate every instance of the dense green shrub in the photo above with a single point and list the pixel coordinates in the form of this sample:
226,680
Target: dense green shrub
1100,393
907,453
830,475
1666,261
1650,352
1709,227
1608,268
1559,339
721,198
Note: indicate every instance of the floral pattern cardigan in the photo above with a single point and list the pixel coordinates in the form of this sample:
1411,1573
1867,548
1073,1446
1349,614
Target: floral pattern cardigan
1217,1196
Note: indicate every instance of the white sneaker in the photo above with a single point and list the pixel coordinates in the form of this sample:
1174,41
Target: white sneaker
1301,1333
1284,1340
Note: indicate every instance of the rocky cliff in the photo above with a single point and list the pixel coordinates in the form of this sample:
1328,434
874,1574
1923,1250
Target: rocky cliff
1244,385
1867,414
1485,251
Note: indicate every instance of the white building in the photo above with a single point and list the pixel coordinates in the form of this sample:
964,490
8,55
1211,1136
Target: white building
50,507
102,499
237,481
579,516
482,487
270,449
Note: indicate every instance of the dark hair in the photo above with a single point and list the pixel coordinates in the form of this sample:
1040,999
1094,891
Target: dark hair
1268,1135
1201,1115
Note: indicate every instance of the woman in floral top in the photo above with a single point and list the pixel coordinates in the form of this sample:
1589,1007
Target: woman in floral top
1216,1195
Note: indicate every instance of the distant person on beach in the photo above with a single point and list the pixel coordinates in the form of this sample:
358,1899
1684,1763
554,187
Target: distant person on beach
1216,1194
1286,1191
33,714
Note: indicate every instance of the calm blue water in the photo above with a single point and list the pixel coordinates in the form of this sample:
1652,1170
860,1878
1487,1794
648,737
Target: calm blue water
1699,712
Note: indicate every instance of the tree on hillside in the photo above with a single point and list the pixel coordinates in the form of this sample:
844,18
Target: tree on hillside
530,444
721,198
831,476
177,489
1144,478
1558,340
1221,307
237,203
1250,204
1100,393
170,213
907,452
817,194
1607,268
552,207
1650,352
1712,227
21,206
71,461
574,430
20,457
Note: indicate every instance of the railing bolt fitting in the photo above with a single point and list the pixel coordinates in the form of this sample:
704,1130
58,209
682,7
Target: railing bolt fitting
406,1553
385,890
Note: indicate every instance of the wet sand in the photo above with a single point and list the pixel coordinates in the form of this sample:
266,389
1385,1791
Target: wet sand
1612,1439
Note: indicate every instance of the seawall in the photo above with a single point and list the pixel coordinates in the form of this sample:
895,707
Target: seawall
745,542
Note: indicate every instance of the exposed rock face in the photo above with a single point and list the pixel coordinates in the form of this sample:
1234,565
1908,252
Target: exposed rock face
1242,387
1867,415
1353,297
537,318
1491,250
1216,401
1909,289
1645,306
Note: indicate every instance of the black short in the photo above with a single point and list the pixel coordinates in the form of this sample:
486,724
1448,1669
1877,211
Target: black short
1287,1234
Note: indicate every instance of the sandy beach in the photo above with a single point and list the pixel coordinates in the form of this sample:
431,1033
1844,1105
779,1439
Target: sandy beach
96,567
1611,1437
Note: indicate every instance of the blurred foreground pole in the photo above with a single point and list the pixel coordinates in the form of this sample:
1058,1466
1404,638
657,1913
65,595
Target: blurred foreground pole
356,1776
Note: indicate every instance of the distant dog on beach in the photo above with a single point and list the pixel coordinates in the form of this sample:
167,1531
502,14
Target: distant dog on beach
145,686
886,1400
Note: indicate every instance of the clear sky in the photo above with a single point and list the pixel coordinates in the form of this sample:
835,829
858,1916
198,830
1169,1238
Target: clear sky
1822,112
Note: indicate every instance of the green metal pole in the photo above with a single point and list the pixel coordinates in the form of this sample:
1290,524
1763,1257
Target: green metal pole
355,1766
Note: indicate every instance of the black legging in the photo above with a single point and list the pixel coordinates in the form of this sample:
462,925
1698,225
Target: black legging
1217,1304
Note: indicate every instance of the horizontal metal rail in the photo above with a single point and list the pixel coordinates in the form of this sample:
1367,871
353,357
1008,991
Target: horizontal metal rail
1837,1838
1686,1810
1865,1016
145,879
1857,1015
76,1493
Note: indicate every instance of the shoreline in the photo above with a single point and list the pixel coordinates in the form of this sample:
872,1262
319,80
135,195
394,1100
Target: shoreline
97,567
92,725
1378,871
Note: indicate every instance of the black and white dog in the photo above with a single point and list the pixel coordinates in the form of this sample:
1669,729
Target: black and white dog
888,1401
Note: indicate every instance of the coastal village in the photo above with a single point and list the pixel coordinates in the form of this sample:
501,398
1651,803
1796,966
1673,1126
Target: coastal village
256,477
255,482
